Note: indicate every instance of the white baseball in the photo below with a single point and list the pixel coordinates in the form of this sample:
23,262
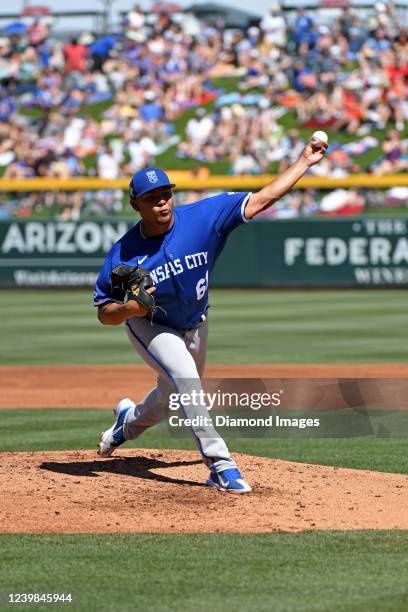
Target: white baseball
319,135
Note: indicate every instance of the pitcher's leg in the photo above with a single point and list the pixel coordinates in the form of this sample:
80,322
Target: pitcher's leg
154,407
196,343
165,350
150,411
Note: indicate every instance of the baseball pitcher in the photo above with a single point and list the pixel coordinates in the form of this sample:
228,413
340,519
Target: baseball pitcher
155,281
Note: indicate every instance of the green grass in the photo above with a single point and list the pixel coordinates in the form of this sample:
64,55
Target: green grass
311,571
27,430
361,571
246,326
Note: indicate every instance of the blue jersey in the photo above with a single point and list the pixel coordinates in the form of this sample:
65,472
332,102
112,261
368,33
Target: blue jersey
180,262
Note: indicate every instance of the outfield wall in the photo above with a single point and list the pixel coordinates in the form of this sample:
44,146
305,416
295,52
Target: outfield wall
356,252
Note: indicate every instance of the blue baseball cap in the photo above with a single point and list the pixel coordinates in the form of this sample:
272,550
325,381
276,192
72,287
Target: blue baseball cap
148,179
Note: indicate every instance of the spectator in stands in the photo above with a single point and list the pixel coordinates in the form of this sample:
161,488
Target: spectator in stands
75,56
303,27
378,42
273,25
108,166
136,19
346,21
293,147
199,128
395,155
350,114
8,105
100,50
37,33
150,110
401,45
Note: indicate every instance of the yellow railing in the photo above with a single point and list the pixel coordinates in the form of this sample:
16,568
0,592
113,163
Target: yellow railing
186,181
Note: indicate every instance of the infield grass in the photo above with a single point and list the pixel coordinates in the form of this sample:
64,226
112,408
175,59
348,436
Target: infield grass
246,326
314,571
282,572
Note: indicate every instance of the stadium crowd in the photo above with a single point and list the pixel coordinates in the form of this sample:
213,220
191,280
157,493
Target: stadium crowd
107,106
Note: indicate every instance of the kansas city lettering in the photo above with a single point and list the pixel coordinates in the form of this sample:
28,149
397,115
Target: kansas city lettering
177,266
196,259
160,273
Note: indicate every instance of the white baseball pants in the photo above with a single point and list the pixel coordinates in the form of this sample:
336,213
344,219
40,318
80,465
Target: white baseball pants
178,358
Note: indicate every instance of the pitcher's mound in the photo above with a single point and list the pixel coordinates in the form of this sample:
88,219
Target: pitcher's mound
163,491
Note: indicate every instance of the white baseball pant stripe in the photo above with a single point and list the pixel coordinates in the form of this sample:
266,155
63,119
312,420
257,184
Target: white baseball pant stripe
179,359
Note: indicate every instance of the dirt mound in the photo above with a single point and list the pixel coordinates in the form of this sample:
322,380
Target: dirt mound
101,386
163,491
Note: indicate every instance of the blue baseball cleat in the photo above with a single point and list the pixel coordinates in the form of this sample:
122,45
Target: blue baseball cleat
113,437
229,480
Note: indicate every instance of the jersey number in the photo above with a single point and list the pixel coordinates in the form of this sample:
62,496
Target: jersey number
202,287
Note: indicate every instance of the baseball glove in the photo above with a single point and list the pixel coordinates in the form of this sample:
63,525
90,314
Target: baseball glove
134,282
